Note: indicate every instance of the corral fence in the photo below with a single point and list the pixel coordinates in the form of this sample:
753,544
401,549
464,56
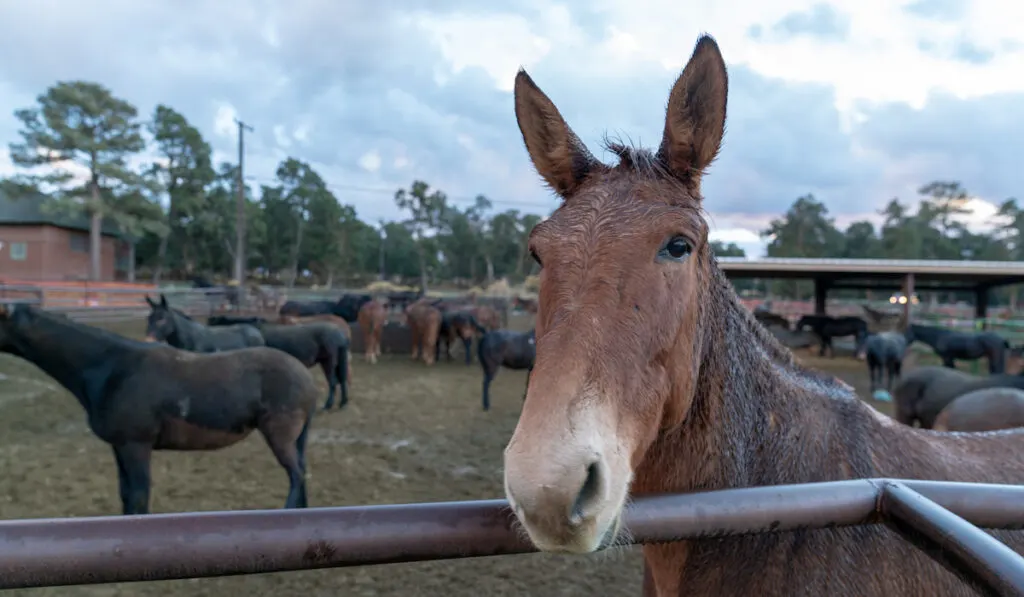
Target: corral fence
108,302
941,518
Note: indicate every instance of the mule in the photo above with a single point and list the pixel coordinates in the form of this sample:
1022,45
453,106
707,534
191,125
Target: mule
651,377
346,307
508,349
143,396
314,343
462,325
165,324
227,320
922,393
827,327
424,322
332,319
372,317
769,319
884,352
967,346
983,410
883,321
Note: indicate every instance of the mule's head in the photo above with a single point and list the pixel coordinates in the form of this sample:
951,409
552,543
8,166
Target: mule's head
624,282
160,323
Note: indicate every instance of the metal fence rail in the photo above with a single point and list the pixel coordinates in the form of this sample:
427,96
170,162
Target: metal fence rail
939,517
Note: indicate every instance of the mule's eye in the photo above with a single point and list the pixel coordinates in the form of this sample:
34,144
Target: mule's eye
533,254
676,249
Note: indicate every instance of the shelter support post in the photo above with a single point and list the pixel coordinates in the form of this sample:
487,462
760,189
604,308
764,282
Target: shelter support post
908,292
981,302
820,295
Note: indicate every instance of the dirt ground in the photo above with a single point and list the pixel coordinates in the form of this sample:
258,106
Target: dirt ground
410,434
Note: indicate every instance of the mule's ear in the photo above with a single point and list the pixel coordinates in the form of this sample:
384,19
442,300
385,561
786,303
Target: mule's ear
163,301
150,301
559,156
695,118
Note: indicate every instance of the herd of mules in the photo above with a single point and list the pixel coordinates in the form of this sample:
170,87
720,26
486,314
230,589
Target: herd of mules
647,375
196,386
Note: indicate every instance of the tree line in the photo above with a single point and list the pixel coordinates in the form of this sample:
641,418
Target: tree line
180,210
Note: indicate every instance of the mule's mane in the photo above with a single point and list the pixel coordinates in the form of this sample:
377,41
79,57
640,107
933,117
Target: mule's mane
777,353
40,316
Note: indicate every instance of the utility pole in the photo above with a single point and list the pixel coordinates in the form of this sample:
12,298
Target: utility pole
383,236
240,211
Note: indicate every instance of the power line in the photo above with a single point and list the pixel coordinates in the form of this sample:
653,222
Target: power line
391,193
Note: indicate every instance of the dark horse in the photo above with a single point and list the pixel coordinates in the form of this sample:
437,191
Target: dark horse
505,348
347,307
225,320
314,343
968,346
181,331
458,324
827,327
884,353
141,396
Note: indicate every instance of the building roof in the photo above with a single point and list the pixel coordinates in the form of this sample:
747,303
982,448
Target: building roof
28,211
967,272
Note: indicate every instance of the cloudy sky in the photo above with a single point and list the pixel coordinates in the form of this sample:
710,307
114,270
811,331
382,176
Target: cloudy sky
856,102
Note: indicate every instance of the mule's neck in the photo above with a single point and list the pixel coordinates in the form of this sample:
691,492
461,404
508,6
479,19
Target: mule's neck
757,417
69,352
186,332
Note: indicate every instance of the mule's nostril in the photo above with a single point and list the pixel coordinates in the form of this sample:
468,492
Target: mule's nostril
589,494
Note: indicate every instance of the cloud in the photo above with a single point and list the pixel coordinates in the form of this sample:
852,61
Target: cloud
844,101
821,21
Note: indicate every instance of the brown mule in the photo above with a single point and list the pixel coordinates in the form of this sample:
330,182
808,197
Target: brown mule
424,324
651,376
372,317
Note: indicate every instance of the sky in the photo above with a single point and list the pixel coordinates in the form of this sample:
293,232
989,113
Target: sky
855,102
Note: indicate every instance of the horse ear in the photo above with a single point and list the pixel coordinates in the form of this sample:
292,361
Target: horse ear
695,117
163,301
150,301
562,160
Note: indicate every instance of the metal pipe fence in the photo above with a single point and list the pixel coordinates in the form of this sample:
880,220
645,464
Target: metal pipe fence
939,517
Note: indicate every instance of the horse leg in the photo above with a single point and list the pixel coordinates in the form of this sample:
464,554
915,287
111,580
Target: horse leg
414,332
467,343
300,449
488,378
329,365
344,373
821,349
282,433
134,476
949,362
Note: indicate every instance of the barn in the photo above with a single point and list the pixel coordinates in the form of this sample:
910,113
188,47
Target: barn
38,245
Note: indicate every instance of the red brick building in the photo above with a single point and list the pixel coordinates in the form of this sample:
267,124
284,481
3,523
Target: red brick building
36,245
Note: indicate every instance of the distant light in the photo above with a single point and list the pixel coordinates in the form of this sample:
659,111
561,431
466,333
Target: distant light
892,300
903,300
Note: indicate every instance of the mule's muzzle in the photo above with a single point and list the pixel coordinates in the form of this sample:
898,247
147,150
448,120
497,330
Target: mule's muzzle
151,338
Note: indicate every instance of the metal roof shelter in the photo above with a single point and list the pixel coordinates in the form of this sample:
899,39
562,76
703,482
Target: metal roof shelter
883,274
